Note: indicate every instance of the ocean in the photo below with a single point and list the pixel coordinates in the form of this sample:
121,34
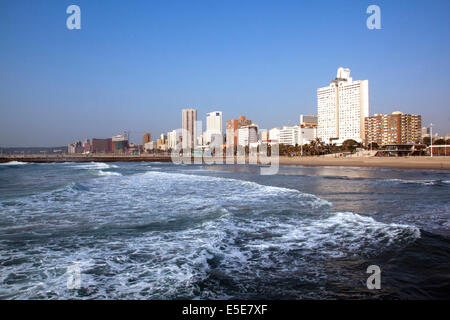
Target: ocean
164,231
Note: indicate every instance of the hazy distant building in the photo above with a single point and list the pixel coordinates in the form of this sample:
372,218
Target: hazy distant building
75,147
101,145
213,126
147,137
395,128
264,136
342,107
120,143
150,146
233,126
189,136
425,132
161,143
173,138
87,146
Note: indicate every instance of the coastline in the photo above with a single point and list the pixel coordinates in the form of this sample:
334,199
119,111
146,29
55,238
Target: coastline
419,163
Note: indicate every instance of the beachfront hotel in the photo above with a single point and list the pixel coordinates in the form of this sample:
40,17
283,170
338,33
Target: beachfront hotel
342,107
395,128
189,119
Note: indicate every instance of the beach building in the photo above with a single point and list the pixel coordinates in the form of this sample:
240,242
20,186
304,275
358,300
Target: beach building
342,107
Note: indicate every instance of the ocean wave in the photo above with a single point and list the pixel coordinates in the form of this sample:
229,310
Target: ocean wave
163,235
108,173
94,165
13,163
420,182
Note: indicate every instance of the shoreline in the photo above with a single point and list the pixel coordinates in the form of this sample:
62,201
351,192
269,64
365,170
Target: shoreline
409,163
418,163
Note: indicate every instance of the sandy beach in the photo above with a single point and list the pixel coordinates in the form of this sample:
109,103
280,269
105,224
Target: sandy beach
437,163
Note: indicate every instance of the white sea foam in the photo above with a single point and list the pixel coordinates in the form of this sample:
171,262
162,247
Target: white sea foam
108,173
154,235
94,165
13,163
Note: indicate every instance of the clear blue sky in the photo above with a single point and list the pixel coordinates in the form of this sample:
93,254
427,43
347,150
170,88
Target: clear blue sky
135,64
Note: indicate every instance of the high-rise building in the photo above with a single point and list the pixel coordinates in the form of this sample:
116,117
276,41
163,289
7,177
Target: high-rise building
247,135
342,108
232,129
147,137
213,126
189,136
395,128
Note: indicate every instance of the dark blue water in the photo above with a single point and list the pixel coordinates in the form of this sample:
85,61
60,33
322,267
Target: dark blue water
162,231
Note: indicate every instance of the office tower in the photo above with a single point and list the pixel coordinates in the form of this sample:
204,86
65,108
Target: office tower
213,126
232,129
189,119
247,135
342,108
147,137
395,128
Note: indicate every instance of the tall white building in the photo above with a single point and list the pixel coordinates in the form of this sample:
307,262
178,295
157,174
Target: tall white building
274,135
173,137
290,135
342,108
213,125
247,135
297,135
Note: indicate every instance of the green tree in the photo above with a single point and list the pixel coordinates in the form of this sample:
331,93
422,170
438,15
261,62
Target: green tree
350,145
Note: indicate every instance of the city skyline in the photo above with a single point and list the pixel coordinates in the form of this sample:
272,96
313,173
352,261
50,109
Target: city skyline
136,73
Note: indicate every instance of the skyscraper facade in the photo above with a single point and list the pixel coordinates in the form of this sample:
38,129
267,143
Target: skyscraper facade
342,108
213,125
189,136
